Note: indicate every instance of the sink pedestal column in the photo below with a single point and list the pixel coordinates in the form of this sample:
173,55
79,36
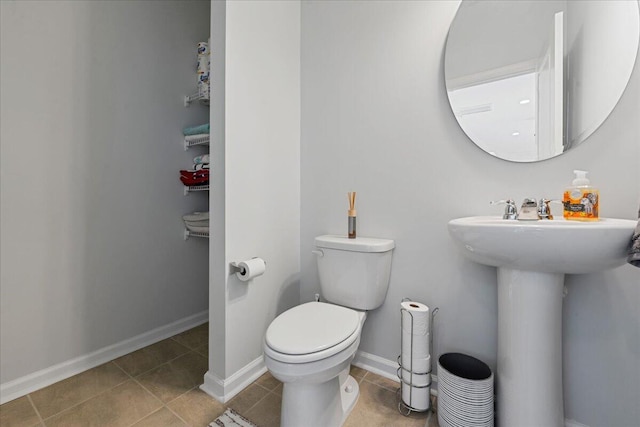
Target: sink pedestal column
529,371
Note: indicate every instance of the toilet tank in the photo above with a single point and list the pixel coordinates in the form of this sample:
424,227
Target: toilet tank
354,272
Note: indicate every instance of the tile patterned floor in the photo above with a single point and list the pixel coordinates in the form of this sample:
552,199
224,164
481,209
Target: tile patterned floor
157,386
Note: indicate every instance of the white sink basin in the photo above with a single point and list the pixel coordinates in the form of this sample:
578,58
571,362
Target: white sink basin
532,259
555,246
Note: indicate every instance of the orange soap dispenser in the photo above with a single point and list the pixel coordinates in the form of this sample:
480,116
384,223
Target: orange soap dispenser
581,201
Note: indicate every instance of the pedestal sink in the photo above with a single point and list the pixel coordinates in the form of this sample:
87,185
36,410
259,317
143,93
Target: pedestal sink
532,258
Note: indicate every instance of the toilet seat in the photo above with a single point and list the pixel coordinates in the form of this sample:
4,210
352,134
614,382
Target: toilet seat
312,331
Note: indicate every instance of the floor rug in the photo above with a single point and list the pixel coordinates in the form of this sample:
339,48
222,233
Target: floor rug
231,418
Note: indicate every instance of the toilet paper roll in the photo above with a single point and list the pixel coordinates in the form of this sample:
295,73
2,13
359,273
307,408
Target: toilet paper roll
420,344
416,380
203,77
203,64
416,398
203,90
419,365
203,48
251,268
415,340
420,314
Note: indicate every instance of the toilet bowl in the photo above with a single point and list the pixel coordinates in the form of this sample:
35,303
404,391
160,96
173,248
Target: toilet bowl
309,348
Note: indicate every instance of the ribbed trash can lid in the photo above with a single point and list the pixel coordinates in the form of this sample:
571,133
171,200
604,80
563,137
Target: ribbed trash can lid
465,366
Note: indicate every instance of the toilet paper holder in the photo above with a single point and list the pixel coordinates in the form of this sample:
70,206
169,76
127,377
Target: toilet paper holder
235,266
400,371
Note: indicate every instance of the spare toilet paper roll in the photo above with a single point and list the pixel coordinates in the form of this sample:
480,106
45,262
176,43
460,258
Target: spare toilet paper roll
416,398
417,381
251,268
420,314
417,365
203,48
203,90
420,349
415,340
203,64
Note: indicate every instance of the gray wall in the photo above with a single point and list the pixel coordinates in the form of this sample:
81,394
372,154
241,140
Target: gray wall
376,120
92,249
256,112
262,173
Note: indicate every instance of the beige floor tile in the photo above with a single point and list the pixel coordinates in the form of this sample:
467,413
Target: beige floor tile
120,406
67,393
248,397
18,413
175,378
161,418
150,357
197,408
170,371
432,420
357,373
278,390
266,413
203,350
194,338
268,381
430,416
377,407
382,381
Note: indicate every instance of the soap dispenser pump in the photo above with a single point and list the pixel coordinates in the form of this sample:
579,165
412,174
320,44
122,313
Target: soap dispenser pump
581,201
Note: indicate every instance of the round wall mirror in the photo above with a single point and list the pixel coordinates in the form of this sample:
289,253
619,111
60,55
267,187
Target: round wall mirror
529,80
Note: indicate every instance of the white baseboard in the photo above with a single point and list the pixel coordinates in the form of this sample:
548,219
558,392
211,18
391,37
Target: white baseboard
223,390
573,423
24,385
377,365
386,368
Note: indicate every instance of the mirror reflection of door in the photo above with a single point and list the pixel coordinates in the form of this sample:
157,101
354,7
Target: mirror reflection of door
550,79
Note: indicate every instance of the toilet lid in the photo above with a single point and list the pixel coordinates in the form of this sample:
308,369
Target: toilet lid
311,327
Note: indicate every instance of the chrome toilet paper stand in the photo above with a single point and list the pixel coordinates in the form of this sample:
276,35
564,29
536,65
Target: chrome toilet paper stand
403,408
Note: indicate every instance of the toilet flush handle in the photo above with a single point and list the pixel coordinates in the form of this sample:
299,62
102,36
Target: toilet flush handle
318,252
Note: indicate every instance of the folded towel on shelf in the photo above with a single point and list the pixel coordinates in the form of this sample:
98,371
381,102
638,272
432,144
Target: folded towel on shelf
192,173
200,166
197,221
198,137
203,158
634,250
196,216
197,229
194,177
192,182
195,130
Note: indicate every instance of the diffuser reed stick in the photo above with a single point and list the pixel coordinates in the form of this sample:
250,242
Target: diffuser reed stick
352,214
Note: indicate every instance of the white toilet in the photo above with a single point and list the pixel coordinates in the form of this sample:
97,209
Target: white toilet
310,347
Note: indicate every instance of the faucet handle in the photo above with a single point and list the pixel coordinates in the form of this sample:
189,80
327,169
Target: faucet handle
544,210
501,202
510,210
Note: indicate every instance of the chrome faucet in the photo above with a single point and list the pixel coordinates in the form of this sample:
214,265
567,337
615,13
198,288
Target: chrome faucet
529,210
510,210
544,210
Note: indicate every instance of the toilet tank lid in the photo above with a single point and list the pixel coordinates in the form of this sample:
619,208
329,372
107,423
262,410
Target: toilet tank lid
359,244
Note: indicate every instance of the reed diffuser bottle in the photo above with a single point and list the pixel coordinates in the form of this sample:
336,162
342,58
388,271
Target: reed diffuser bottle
352,214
